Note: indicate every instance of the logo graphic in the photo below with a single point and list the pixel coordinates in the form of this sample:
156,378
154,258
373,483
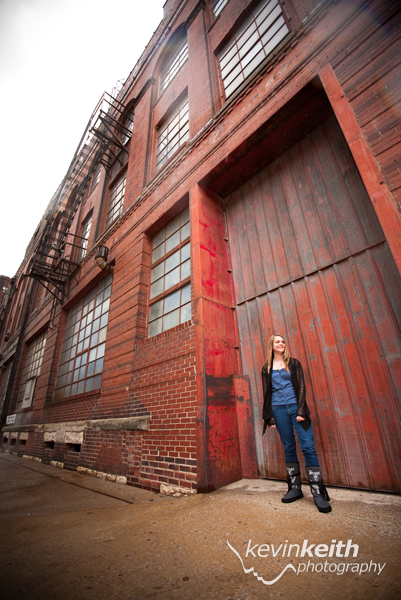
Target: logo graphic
258,577
337,549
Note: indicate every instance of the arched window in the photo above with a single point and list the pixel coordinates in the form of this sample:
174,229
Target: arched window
176,55
257,37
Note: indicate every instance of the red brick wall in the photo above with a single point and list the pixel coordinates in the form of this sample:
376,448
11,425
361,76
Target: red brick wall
163,383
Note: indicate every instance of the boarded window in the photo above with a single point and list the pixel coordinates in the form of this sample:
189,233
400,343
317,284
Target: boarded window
31,371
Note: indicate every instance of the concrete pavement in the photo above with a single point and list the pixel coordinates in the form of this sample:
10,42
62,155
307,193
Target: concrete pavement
69,536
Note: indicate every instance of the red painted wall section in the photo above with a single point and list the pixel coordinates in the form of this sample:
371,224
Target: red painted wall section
200,98
380,196
219,440
246,427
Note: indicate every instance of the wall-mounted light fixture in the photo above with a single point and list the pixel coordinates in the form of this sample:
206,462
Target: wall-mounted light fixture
101,257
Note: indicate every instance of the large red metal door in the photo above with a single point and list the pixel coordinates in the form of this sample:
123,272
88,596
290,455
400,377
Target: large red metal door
310,261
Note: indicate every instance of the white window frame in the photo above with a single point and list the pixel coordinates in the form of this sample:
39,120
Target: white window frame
173,133
96,177
174,64
258,36
86,229
217,6
116,200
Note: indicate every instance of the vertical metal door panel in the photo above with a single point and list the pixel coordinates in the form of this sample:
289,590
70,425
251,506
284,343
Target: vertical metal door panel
310,261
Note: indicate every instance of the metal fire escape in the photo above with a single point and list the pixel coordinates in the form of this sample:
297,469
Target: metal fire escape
55,255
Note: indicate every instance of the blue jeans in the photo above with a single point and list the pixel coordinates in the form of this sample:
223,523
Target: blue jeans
286,422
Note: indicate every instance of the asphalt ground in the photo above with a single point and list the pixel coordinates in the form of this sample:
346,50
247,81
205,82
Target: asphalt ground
64,535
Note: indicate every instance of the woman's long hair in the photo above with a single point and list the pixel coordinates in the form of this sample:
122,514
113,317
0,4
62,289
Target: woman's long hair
270,352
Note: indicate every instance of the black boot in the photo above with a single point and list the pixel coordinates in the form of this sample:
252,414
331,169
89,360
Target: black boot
318,489
294,483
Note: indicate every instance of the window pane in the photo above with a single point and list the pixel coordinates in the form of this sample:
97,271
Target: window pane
159,238
99,365
158,252
185,232
156,310
185,269
185,313
185,252
185,216
172,301
97,382
186,294
173,226
156,288
102,334
171,320
91,368
157,272
172,261
172,278
155,327
173,241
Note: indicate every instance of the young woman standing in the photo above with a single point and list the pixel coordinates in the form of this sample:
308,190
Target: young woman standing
285,409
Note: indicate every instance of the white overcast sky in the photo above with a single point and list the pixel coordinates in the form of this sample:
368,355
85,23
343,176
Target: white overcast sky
57,57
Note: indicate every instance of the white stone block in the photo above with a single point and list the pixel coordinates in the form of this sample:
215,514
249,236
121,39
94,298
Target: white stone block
74,437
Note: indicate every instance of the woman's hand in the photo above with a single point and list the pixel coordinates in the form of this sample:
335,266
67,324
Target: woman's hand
272,427
299,419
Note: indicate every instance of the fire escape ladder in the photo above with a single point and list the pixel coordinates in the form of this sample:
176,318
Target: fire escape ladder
55,255
110,129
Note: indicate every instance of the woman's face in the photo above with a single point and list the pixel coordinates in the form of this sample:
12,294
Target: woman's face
278,344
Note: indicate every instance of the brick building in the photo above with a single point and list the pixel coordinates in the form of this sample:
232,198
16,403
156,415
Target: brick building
245,179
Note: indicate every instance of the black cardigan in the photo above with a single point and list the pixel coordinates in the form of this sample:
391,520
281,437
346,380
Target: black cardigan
298,381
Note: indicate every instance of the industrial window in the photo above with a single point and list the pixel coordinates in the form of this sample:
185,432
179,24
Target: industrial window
218,6
262,31
83,242
82,352
116,201
31,371
173,133
170,290
174,64
96,177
